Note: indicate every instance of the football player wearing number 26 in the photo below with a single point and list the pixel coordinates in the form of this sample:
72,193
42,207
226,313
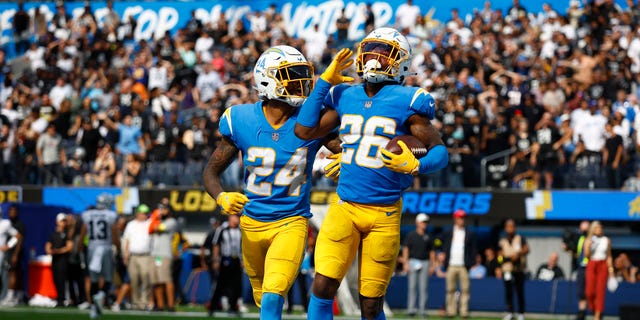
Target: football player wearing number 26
367,214
277,169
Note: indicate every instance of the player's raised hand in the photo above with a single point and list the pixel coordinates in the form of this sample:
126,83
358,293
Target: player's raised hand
332,170
231,202
405,162
342,61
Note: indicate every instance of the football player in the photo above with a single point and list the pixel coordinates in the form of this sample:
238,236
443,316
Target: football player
277,173
367,214
101,231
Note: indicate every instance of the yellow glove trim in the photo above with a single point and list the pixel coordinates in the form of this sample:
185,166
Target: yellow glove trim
332,170
231,202
404,162
333,73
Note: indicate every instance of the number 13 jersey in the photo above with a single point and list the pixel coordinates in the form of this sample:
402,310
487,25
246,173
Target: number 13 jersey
99,224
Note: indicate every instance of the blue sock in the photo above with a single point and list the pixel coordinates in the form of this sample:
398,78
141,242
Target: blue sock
271,306
320,309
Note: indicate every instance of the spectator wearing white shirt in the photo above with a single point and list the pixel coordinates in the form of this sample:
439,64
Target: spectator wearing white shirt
203,46
35,56
62,90
136,249
315,44
159,75
207,84
590,129
258,22
406,15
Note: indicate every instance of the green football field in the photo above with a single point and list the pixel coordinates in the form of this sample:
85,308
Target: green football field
29,313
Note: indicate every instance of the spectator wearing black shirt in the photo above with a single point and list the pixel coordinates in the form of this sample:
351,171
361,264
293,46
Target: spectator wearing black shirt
612,156
417,253
492,264
58,246
342,24
545,154
21,34
550,270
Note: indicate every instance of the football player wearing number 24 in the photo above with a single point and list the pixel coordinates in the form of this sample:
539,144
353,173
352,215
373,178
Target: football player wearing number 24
277,168
367,214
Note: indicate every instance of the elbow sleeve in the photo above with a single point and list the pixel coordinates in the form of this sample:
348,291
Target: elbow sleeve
436,159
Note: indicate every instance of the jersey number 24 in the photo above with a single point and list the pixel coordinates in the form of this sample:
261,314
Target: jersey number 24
291,174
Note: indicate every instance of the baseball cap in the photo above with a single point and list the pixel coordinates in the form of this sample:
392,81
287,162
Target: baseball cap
61,216
143,208
421,217
459,213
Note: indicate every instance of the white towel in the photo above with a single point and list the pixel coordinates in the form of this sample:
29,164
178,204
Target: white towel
95,265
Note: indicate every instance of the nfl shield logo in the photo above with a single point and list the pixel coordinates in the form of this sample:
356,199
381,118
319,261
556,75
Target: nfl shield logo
275,136
367,104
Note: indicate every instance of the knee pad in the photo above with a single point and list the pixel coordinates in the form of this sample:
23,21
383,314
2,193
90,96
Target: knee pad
278,283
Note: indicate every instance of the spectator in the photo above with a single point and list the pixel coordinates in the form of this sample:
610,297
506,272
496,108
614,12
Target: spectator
406,15
58,246
491,263
76,167
369,18
597,248
104,167
459,247
478,270
612,155
131,173
550,270
417,253
514,250
130,137
162,228
545,155
21,22
342,26
51,156
633,182
625,270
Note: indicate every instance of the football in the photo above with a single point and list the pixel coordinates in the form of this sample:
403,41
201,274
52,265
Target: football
418,148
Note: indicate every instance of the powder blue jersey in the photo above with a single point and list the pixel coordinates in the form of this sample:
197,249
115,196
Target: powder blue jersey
277,164
366,125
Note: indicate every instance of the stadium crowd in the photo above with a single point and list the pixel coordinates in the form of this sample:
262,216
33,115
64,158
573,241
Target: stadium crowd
552,91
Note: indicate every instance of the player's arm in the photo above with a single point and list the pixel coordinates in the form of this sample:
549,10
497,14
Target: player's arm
312,121
437,156
230,202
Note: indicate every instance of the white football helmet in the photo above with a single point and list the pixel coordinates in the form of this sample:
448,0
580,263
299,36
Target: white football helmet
384,55
283,73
